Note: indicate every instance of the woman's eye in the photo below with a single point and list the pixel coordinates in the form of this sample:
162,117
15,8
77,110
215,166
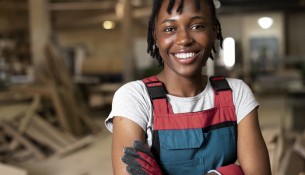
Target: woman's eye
198,27
169,29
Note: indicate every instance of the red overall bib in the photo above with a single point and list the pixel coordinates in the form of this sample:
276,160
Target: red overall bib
195,142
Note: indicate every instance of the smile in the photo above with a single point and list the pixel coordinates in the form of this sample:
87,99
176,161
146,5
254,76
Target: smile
185,55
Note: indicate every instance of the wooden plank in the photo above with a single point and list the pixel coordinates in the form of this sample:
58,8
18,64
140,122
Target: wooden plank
29,114
21,155
43,139
12,112
50,131
12,132
76,146
26,119
60,71
13,145
74,111
58,105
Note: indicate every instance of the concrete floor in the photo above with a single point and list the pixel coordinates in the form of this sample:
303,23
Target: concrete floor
96,159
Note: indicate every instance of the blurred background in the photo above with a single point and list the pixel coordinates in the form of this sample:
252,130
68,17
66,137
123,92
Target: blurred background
62,60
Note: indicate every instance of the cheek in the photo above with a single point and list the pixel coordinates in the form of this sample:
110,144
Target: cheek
165,43
204,40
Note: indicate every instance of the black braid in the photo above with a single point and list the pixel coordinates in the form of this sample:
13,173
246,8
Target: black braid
197,5
170,6
180,8
153,50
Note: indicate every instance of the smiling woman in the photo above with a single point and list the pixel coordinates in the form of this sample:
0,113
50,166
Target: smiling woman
153,50
184,41
179,121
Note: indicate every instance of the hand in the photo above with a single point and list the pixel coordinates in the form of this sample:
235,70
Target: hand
139,160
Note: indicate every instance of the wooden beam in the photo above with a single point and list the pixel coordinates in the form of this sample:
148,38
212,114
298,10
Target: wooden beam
127,37
29,114
40,31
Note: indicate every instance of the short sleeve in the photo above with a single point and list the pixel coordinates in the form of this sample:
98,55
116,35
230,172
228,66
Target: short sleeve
130,101
243,98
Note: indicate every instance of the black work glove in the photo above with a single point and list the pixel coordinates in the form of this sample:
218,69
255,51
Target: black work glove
139,160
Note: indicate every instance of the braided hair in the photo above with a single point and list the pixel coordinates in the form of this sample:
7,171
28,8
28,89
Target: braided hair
152,49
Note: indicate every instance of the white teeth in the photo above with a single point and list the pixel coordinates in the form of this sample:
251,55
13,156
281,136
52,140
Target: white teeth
184,55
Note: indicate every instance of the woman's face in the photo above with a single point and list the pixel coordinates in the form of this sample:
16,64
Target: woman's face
184,39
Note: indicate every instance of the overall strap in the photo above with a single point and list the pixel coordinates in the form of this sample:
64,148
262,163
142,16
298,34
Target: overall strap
157,94
222,91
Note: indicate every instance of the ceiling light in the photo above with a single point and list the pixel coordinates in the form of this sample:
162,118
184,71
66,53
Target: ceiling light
108,25
265,22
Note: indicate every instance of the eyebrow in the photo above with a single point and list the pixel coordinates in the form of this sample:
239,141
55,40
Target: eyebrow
173,20
198,17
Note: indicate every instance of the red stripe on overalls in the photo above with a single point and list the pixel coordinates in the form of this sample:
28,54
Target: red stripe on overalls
165,119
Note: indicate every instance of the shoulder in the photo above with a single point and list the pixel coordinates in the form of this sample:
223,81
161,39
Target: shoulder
132,102
243,98
133,88
238,85
233,82
130,95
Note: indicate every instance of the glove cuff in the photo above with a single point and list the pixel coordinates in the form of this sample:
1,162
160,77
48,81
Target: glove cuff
230,169
214,171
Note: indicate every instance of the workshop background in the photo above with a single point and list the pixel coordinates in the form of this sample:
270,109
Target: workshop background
62,60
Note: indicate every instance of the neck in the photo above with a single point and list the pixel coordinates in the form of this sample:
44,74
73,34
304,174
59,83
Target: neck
183,86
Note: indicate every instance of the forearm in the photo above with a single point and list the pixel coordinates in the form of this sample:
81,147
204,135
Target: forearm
122,139
252,151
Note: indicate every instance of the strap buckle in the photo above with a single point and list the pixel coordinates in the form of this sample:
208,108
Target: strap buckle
156,90
219,83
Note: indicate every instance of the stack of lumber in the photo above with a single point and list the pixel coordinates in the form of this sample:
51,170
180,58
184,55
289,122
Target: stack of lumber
53,120
30,132
66,97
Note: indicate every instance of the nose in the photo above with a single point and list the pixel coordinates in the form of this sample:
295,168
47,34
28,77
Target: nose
184,37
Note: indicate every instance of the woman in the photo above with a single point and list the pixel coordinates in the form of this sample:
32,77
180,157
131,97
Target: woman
188,121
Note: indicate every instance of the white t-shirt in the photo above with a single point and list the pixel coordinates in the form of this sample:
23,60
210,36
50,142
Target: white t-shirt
132,101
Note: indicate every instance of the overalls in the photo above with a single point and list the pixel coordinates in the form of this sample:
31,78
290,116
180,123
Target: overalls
195,142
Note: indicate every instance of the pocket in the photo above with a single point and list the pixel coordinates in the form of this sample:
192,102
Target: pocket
179,150
180,139
220,146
